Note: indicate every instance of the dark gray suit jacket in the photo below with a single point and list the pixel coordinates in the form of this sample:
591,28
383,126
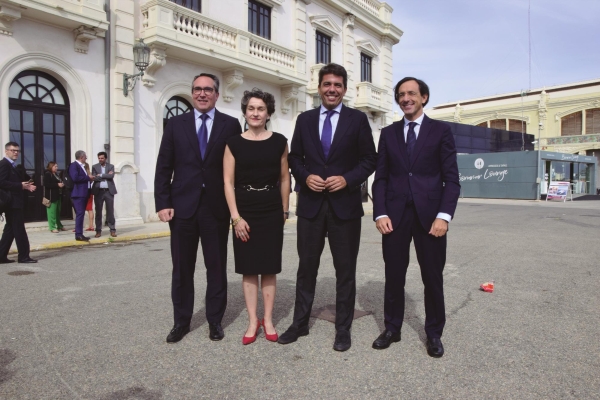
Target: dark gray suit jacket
107,176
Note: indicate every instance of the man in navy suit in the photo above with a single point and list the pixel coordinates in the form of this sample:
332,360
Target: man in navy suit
415,192
189,194
80,192
14,229
332,153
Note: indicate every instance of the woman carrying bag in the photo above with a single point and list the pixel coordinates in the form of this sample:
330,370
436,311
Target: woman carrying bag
53,193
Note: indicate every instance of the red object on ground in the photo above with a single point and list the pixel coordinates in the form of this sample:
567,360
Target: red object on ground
487,287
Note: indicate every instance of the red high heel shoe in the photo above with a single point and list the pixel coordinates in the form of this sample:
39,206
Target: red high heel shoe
270,338
247,340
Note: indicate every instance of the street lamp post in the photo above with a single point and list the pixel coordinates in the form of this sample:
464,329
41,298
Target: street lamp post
539,163
141,59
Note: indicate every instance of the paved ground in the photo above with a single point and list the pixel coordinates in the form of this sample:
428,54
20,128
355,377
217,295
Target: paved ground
90,321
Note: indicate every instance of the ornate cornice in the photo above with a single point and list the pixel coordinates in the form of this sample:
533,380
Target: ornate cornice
368,47
7,16
158,59
83,36
591,104
325,24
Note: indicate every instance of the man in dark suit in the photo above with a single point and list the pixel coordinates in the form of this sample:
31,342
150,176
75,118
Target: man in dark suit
104,191
332,153
189,194
14,228
415,192
79,193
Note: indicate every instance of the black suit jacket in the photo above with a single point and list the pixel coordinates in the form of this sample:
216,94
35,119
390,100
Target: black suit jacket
431,173
352,155
179,159
11,181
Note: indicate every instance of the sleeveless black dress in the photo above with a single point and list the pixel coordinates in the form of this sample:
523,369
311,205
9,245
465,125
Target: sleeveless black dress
258,164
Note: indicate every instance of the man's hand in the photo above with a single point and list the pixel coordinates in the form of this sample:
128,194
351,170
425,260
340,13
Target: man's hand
92,177
166,215
315,183
384,225
28,186
111,172
439,227
335,183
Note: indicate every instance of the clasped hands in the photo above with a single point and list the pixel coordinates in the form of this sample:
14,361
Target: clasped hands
331,184
438,228
28,186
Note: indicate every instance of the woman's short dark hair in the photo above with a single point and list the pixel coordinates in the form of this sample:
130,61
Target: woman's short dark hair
423,88
335,69
50,165
256,93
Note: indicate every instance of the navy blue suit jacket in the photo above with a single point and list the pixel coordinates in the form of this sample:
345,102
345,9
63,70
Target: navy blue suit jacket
352,155
179,159
432,173
80,180
11,181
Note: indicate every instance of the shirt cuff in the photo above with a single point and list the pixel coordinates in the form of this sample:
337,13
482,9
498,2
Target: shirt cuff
381,216
444,216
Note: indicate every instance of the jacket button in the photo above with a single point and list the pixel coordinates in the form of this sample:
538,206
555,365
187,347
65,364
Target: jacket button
326,167
203,169
410,174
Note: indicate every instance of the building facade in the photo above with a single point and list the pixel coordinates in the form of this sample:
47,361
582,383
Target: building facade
563,119
63,61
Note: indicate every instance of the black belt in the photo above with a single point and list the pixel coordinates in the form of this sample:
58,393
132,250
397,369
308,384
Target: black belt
249,188
103,188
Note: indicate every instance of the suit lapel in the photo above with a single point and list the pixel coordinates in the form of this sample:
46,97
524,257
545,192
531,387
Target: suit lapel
313,130
344,122
217,129
401,143
189,123
421,139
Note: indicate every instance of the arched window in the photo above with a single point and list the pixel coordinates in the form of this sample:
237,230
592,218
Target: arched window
498,124
514,125
39,116
592,121
175,106
571,124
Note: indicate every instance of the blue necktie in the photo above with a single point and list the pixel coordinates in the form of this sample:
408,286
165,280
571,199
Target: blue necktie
326,133
411,138
203,135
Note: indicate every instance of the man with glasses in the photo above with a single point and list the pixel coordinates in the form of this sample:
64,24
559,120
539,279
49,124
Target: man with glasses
14,229
189,195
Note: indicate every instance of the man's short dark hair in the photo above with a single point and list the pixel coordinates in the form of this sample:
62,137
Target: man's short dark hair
334,69
423,88
11,144
211,76
103,153
268,98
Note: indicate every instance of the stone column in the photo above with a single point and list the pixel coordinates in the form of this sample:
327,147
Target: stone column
122,144
387,77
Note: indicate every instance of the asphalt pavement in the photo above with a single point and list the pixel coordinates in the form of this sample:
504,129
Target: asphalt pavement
89,321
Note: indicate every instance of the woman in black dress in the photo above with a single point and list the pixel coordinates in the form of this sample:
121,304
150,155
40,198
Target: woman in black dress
257,188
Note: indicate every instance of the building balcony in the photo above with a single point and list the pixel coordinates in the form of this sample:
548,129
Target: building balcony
86,18
371,98
185,34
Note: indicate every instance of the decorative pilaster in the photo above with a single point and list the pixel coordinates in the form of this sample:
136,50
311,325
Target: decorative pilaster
232,78
7,16
289,95
349,46
158,59
542,106
387,76
83,36
457,113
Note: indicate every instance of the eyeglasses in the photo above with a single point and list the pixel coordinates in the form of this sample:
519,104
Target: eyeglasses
207,90
13,150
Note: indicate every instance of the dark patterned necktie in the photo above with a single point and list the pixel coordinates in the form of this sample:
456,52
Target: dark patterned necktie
203,135
327,133
411,138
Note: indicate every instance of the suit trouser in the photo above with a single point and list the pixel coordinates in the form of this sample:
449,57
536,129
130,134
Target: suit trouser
103,195
344,241
79,204
431,254
14,229
185,235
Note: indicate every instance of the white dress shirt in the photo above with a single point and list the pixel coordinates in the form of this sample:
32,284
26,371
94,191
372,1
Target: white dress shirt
103,184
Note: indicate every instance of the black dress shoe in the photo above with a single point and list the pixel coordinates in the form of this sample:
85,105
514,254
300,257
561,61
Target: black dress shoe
215,331
435,348
82,238
6,261
385,339
27,260
177,333
343,341
292,334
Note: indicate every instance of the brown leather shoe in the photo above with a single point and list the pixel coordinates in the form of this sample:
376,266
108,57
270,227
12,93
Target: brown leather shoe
113,234
98,234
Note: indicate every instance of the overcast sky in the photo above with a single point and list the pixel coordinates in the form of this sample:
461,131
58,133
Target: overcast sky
475,48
